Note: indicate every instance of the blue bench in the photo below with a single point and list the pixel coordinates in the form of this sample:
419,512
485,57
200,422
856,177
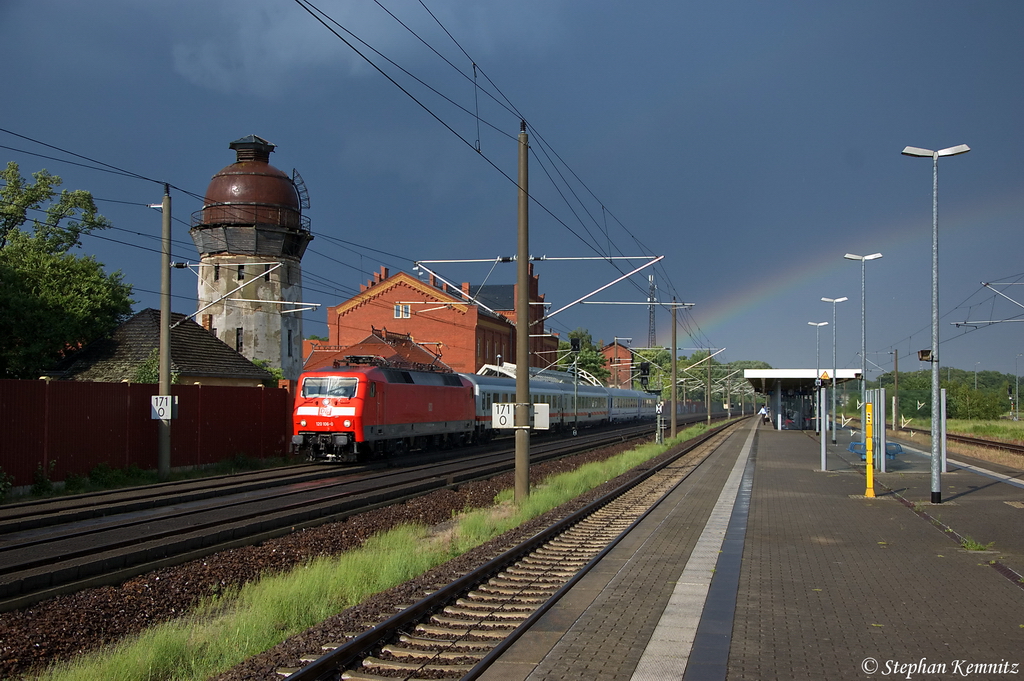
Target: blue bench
891,450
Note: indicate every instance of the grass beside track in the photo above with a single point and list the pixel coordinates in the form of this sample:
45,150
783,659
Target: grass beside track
237,625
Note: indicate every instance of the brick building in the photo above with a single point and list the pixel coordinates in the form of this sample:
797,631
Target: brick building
467,327
620,364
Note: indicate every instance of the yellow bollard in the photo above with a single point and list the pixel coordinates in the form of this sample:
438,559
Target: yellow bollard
869,447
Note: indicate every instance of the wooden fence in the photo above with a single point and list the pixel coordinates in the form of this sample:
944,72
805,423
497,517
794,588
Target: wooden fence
78,425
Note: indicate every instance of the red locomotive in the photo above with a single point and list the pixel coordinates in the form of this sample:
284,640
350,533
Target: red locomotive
355,412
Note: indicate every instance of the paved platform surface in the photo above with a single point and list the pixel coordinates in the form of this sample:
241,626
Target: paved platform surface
813,579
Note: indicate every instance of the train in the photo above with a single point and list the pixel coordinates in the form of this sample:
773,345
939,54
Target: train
353,413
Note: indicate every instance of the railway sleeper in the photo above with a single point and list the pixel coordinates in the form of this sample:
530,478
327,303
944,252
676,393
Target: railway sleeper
465,629
565,563
426,655
451,643
517,591
510,604
541,573
508,597
519,583
414,666
487,612
587,544
481,625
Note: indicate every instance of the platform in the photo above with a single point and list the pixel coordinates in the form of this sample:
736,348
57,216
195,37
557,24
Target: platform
807,578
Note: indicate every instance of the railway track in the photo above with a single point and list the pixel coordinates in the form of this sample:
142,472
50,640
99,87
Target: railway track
1013,447
459,629
56,547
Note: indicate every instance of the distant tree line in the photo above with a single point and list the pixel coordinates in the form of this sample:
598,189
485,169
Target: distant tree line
991,399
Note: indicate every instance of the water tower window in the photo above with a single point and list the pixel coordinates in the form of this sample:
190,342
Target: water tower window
241,272
266,272
216,272
238,339
290,343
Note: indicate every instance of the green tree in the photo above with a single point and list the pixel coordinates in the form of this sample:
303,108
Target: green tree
149,370
52,301
589,357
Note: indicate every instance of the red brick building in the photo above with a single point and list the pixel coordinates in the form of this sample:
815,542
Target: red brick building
467,327
620,363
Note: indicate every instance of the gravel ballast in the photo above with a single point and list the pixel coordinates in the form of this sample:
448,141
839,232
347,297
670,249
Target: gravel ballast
65,627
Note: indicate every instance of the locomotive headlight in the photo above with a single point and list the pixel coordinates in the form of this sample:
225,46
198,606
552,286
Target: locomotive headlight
348,423
302,423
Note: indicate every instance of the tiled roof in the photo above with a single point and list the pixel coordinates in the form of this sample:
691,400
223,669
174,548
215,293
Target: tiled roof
394,349
194,352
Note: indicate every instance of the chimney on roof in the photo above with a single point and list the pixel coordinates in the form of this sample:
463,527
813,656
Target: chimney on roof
465,288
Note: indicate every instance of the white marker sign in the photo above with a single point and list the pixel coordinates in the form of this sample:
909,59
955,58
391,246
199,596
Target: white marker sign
503,415
163,407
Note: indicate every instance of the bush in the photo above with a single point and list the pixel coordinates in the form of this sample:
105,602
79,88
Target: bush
41,484
6,482
75,483
105,476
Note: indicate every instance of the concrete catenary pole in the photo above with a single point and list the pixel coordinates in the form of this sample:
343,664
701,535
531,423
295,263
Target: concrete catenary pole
164,427
522,303
672,422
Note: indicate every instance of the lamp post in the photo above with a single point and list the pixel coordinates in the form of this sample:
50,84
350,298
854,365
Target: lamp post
817,371
936,418
834,301
863,335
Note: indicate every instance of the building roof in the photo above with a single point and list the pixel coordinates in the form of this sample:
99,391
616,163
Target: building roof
495,296
195,352
380,347
766,380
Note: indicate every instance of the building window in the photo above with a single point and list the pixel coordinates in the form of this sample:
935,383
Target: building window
241,272
266,272
216,272
290,343
402,312
238,339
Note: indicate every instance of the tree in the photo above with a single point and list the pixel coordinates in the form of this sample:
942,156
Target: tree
52,301
589,357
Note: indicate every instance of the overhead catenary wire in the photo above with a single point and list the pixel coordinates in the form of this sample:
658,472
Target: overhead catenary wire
546,158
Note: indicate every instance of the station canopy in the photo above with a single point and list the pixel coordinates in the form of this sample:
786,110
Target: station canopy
766,381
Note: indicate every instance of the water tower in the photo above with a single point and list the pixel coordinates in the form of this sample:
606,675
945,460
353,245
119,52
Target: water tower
251,236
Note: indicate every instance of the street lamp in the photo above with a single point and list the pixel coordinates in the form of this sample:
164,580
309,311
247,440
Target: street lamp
834,301
863,338
817,371
936,425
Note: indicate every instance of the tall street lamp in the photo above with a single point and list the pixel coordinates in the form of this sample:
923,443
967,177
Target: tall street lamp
834,301
817,372
863,338
936,418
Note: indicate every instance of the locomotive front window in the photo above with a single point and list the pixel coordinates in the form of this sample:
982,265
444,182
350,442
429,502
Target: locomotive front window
329,386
